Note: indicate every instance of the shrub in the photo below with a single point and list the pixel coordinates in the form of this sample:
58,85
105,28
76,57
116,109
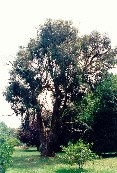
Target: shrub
78,153
6,151
13,142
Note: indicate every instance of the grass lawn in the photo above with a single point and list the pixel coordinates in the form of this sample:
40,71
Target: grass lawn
29,161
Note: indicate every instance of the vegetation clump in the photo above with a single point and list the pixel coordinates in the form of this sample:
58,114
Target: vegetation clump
78,153
6,151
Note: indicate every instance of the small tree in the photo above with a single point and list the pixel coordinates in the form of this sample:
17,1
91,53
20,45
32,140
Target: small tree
78,153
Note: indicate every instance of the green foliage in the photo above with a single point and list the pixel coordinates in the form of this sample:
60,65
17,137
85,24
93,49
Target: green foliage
4,130
8,141
104,134
6,151
7,131
98,109
13,142
86,107
78,153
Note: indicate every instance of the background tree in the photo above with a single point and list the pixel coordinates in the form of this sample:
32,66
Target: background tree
4,130
29,135
104,134
99,110
60,63
7,131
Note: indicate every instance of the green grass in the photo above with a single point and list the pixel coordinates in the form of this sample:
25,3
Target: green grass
29,161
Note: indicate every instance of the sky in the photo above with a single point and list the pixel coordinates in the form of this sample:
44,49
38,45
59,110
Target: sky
19,20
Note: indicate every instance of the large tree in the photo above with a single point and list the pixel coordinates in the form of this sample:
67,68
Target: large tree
59,63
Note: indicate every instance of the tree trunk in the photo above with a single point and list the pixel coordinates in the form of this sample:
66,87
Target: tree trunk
47,141
46,138
38,147
47,135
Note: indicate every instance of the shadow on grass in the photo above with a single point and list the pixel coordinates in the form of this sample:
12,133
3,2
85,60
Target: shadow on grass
20,149
28,150
109,155
33,161
29,162
72,170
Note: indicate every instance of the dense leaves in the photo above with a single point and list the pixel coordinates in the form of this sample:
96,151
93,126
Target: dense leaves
78,153
105,117
6,151
99,111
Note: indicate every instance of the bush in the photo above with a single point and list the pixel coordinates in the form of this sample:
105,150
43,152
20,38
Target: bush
78,153
14,142
6,151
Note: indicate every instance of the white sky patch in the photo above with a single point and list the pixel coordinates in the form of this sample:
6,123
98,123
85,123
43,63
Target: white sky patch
20,18
11,121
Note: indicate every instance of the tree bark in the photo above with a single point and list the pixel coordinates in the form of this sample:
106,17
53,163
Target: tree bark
47,135
47,141
46,138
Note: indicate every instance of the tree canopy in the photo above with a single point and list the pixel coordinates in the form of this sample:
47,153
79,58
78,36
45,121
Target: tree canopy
61,63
